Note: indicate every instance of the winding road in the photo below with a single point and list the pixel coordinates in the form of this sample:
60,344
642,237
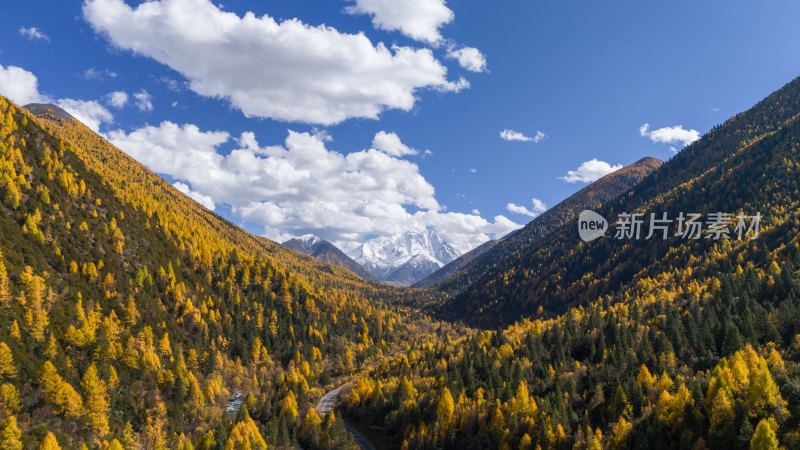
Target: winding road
325,405
326,402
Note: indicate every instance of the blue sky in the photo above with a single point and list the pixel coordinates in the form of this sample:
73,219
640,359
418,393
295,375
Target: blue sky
586,75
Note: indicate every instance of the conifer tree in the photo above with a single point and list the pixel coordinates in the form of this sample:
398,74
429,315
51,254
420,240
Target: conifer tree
10,435
49,442
96,401
7,368
764,437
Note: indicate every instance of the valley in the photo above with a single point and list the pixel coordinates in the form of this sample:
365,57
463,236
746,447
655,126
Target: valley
399,224
116,287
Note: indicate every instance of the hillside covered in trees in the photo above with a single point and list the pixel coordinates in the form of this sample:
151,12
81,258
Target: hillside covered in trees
747,165
660,343
459,274
132,317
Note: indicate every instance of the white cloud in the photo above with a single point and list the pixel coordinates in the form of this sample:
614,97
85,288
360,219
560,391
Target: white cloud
33,34
117,99
94,74
473,170
538,205
537,208
21,86
143,100
670,135
590,171
417,19
89,112
303,187
469,58
390,144
282,70
511,135
204,200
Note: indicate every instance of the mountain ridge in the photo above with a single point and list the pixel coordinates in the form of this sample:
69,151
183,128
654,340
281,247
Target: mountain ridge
325,252
554,272
131,313
459,276
404,258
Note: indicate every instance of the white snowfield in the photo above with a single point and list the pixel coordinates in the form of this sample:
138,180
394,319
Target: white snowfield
406,257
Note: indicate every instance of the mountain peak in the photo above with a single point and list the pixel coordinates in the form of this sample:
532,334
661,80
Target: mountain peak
48,111
324,251
404,258
309,239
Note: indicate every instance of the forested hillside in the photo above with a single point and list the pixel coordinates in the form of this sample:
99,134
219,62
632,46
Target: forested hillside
132,316
747,165
455,277
674,343
459,263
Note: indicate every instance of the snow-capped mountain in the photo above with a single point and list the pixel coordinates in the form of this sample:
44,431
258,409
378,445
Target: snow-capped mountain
304,244
326,252
404,258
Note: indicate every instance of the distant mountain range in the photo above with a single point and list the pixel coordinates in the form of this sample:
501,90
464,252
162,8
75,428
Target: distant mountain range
325,252
468,268
404,258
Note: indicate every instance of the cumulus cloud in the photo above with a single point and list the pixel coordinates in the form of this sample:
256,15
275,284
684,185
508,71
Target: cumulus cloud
286,70
538,205
21,86
469,58
537,208
590,171
33,34
670,135
88,112
117,99
390,144
204,200
417,19
303,187
143,100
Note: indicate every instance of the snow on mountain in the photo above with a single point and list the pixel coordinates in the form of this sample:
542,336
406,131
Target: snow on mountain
326,252
405,258
308,240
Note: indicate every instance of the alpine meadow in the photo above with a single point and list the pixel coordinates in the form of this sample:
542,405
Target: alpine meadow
327,225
